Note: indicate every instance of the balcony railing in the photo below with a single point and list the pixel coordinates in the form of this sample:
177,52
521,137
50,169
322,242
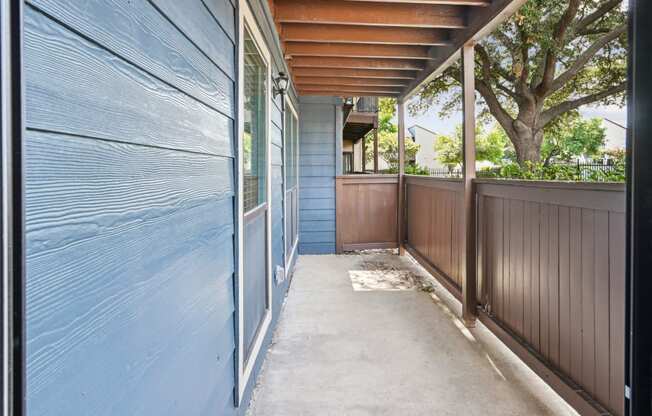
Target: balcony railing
366,105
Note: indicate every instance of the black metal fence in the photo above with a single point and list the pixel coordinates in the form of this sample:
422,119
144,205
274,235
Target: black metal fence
587,170
445,172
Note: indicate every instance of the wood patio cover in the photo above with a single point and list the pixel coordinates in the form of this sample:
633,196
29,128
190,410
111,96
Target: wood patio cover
378,47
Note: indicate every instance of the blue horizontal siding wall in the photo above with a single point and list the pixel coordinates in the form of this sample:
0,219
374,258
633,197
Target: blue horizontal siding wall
129,204
130,193
317,176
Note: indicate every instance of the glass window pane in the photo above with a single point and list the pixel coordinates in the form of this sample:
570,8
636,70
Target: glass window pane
287,143
255,122
291,148
295,151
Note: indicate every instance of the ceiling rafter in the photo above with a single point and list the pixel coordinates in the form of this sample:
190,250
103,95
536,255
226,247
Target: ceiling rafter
380,14
352,50
378,47
352,63
354,73
481,3
378,82
306,32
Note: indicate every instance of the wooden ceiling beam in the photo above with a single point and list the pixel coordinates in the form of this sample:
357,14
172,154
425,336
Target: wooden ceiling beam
301,32
348,93
359,63
351,50
377,82
478,3
354,73
380,14
336,88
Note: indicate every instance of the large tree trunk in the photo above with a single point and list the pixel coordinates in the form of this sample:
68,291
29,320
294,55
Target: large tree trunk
526,137
528,150
527,142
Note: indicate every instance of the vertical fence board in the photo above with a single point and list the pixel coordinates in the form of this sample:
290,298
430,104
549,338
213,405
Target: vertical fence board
553,284
527,270
544,297
588,296
576,292
516,256
564,290
617,311
602,306
535,271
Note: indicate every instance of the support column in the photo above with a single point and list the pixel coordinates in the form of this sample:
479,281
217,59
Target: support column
364,154
401,176
469,300
376,147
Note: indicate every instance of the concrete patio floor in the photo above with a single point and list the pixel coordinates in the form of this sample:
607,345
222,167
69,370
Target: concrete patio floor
338,351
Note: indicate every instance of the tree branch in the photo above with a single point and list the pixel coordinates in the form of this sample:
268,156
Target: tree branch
496,109
507,91
550,60
589,53
603,9
596,31
487,65
554,112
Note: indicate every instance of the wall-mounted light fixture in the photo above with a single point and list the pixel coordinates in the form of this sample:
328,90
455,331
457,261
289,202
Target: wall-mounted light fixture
281,84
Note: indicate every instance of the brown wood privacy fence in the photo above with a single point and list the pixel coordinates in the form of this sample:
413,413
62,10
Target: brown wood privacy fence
551,273
435,225
366,212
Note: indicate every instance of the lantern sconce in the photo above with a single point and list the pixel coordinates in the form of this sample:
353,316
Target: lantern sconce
281,84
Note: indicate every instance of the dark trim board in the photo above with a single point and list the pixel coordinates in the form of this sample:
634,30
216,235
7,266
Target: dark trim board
13,338
638,361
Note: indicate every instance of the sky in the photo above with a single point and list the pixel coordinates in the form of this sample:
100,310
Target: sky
615,134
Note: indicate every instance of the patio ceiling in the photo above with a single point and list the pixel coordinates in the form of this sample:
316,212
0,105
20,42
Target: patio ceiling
377,47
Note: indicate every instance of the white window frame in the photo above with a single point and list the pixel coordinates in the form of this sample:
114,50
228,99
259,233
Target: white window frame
289,257
245,369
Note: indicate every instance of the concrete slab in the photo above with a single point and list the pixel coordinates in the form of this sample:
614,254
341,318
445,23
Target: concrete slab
337,351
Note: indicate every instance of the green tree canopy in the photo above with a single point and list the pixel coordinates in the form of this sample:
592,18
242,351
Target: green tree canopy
388,136
491,146
549,59
572,137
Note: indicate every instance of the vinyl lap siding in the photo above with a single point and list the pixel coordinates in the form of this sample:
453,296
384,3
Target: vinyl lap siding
129,207
317,177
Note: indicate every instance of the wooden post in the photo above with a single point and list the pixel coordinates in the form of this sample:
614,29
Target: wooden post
469,301
376,147
364,154
401,176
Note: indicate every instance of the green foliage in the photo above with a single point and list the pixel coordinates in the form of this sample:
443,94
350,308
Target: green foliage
572,137
491,146
411,170
542,172
388,136
545,62
388,148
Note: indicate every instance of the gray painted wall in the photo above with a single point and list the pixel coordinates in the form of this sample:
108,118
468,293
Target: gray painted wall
317,167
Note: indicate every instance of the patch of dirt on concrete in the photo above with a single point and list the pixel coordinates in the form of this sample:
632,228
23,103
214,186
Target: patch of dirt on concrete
383,270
